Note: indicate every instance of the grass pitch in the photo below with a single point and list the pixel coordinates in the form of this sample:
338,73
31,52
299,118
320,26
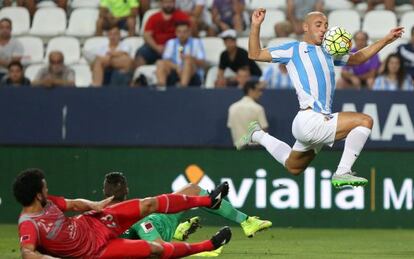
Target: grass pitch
286,243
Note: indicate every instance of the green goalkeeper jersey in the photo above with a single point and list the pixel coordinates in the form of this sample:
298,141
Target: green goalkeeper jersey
154,226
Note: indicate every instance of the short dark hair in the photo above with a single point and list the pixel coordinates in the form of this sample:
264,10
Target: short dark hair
115,184
5,19
15,63
250,85
182,23
27,185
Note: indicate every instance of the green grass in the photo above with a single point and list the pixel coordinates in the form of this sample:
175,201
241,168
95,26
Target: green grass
287,243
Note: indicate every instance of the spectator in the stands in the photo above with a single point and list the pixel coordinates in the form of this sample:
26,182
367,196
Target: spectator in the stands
234,58
228,14
406,52
296,10
393,76
276,76
246,110
388,4
363,75
10,48
117,13
183,60
112,62
283,29
31,5
15,77
56,74
159,28
198,13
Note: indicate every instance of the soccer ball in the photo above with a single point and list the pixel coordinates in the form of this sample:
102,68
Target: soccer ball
337,41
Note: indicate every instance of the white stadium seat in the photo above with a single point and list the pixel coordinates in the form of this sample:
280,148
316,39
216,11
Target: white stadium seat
390,48
82,22
279,41
147,14
268,4
91,45
33,49
83,75
243,42
378,23
272,17
46,4
407,21
69,46
212,76
338,4
20,18
348,19
213,46
49,22
134,43
32,70
84,4
148,71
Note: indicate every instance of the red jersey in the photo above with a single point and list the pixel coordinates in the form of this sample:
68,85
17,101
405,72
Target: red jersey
51,232
163,30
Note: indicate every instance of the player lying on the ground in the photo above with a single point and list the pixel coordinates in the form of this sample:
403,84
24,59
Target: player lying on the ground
44,229
160,227
311,69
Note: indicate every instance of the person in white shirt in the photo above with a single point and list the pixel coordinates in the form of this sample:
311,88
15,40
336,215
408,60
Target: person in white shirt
114,55
199,15
242,112
183,60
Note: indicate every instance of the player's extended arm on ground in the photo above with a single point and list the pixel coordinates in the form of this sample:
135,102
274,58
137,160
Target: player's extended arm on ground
255,50
81,205
366,53
29,252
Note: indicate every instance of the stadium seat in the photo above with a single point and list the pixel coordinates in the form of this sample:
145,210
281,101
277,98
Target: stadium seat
337,4
348,19
90,46
390,48
83,75
69,46
20,18
32,70
147,14
272,17
84,4
407,21
82,22
279,41
134,43
212,76
268,4
49,22
378,23
33,49
46,4
148,71
213,46
243,42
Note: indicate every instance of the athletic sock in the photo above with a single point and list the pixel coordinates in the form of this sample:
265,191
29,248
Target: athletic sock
227,210
278,149
181,249
173,203
354,143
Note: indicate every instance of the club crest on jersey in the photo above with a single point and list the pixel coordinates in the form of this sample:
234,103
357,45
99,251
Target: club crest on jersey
147,226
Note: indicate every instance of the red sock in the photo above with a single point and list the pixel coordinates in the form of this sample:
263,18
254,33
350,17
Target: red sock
173,203
178,250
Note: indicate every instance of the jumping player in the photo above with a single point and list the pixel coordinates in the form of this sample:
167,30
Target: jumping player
44,229
311,70
159,227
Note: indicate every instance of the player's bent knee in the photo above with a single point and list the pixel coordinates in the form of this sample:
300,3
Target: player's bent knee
295,171
367,121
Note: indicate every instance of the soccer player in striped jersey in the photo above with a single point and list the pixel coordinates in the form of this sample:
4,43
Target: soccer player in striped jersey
311,69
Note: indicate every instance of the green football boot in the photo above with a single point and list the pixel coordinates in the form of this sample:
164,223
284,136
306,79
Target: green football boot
187,228
252,225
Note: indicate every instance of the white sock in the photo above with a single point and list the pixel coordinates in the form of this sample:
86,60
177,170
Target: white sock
354,143
278,149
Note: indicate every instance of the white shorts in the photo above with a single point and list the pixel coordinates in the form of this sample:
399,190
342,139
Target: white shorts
313,130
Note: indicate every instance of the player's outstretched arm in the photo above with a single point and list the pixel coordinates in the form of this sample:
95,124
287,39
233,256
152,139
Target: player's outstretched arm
81,205
29,252
255,50
366,53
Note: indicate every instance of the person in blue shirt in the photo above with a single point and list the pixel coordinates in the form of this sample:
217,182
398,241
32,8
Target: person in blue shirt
393,77
311,70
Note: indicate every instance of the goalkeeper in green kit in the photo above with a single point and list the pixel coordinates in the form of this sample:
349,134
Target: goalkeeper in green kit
162,227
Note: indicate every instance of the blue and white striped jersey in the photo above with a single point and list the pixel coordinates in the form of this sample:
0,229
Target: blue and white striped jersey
275,79
311,70
384,83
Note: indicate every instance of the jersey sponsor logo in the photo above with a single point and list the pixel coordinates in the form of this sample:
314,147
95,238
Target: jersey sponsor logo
147,226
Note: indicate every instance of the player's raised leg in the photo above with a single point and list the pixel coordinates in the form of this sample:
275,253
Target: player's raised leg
355,128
